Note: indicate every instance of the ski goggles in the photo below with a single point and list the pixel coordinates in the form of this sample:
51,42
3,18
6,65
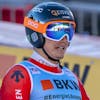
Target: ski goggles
53,30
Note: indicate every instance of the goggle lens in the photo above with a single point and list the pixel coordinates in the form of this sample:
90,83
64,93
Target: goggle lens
57,31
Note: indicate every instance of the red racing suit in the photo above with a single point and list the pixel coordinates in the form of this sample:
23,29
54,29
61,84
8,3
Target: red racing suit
36,80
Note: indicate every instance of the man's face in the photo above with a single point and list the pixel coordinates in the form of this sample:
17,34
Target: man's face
56,49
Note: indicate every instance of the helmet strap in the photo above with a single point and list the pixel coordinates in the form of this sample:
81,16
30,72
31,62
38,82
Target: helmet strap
52,58
49,55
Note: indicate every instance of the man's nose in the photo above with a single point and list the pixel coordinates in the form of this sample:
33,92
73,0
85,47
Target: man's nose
65,38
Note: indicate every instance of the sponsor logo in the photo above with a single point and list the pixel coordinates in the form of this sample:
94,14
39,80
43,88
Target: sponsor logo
34,71
17,75
62,97
58,12
67,84
33,24
60,84
34,36
40,10
46,84
18,94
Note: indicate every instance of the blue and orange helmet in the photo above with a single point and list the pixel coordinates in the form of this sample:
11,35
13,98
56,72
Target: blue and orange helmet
49,20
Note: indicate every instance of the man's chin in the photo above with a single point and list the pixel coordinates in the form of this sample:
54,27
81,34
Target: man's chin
60,57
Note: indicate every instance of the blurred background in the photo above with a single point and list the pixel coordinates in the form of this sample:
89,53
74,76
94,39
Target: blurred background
87,12
82,57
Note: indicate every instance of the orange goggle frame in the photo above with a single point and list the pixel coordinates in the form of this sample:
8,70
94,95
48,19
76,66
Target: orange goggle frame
41,27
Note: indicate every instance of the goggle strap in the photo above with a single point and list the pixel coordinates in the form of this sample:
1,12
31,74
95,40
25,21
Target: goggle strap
36,26
39,27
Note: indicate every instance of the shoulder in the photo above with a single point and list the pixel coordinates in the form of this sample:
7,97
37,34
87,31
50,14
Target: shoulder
16,80
83,91
81,87
17,69
17,74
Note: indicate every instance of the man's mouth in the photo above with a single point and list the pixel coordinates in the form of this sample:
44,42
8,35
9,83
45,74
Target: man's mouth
61,47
